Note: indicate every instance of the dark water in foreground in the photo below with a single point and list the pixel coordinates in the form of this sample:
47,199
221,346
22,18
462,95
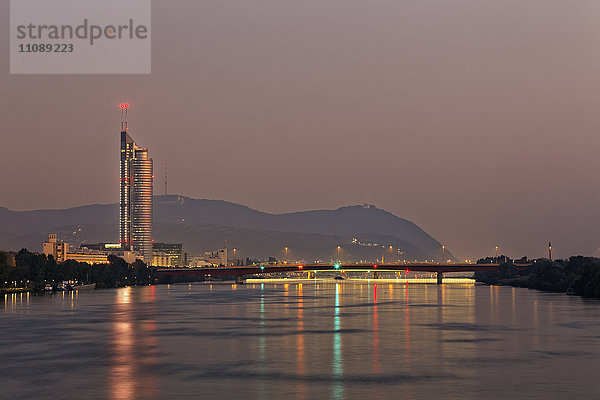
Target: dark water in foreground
300,341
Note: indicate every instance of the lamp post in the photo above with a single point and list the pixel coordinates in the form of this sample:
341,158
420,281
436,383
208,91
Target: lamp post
286,255
443,253
338,253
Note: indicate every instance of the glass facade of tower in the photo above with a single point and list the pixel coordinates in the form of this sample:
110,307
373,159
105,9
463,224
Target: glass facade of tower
127,154
135,227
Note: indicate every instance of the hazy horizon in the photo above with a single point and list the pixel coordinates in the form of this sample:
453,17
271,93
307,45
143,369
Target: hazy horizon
475,120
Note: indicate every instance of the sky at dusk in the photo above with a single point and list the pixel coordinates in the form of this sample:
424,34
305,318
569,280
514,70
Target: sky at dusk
477,120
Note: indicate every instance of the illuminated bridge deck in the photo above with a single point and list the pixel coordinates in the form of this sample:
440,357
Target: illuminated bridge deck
439,268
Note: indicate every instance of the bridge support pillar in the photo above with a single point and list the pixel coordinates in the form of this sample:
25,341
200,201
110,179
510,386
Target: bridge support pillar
375,275
239,279
440,277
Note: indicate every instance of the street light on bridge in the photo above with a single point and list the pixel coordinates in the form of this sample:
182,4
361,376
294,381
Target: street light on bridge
443,253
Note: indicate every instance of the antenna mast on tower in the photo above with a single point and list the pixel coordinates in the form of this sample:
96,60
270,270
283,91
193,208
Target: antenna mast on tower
165,179
124,108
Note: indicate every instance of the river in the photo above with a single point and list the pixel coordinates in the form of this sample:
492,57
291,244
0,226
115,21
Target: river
300,340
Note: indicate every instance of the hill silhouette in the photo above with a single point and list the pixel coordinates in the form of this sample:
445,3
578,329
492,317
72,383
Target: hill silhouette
364,232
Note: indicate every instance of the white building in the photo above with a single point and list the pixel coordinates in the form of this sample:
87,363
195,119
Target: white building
56,248
210,258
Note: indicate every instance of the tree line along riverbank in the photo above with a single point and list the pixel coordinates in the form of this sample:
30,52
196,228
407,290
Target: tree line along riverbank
32,272
577,275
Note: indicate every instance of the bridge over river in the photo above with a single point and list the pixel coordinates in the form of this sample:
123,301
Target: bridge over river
241,271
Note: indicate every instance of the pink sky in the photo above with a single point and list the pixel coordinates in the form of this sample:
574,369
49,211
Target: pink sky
477,120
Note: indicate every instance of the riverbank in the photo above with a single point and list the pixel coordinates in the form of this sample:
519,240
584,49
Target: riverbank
577,275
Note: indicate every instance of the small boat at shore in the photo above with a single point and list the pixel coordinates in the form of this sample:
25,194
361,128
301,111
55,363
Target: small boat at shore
48,288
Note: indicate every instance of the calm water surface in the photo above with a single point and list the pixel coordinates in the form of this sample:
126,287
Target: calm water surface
310,340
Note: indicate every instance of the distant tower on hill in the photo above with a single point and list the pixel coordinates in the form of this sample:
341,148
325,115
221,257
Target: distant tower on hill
166,179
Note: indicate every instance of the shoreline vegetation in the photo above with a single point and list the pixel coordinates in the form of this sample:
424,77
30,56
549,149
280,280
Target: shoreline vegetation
32,272
576,276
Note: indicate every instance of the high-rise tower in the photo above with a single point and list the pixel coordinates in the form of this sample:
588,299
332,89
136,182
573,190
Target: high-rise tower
135,227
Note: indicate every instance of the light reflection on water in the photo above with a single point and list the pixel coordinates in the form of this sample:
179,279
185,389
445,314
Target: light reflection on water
337,369
262,342
300,350
301,340
130,374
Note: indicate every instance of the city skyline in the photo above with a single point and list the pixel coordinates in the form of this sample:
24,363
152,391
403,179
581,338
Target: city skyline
482,135
342,199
